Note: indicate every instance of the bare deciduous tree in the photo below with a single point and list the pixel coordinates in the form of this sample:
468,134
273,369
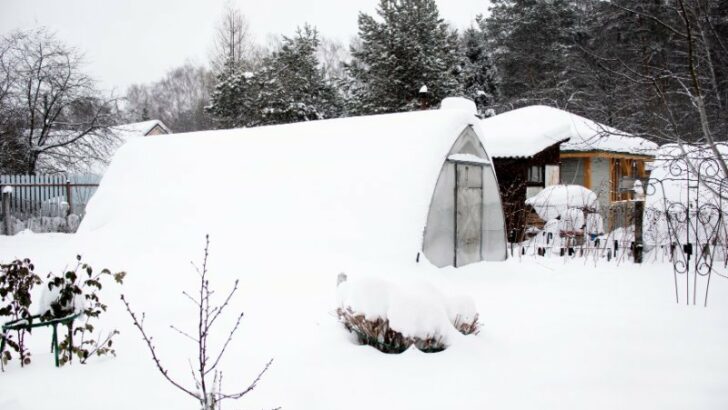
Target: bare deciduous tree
178,99
58,119
233,42
207,377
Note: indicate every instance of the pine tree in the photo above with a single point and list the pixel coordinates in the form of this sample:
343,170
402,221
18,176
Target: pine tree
410,47
479,75
234,102
534,47
292,83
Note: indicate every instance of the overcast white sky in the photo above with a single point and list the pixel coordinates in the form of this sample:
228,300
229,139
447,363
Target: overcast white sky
132,41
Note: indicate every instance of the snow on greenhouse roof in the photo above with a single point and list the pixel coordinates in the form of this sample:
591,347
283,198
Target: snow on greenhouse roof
524,132
69,159
343,186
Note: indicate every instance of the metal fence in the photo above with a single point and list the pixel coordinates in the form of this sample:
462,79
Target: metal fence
49,195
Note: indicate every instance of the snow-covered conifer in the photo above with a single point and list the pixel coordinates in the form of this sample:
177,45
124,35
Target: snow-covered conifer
409,45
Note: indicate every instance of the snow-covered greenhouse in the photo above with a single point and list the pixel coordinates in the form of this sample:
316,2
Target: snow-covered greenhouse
389,187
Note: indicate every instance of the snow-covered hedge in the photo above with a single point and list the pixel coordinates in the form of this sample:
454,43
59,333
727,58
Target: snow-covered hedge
392,317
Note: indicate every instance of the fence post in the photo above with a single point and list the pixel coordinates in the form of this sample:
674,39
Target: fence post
639,209
69,199
7,192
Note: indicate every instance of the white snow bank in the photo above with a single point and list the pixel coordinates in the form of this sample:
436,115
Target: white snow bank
559,333
554,200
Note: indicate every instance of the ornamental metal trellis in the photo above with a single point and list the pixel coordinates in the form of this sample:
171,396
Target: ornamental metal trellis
695,223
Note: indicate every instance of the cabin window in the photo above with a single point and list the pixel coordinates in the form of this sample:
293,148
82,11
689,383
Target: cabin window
535,174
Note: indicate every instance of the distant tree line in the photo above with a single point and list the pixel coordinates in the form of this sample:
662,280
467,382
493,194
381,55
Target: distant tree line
658,69
653,68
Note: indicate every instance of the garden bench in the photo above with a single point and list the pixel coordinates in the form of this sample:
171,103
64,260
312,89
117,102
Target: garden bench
30,323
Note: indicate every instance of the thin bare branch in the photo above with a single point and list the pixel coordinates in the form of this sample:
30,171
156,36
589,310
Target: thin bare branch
152,350
183,333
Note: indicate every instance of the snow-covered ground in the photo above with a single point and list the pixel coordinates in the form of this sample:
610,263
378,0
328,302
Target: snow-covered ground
291,207
555,335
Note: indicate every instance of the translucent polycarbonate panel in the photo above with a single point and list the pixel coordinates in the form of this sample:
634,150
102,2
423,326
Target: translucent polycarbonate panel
439,237
494,237
439,243
469,220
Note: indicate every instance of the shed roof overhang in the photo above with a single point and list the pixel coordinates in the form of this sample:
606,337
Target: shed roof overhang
557,143
604,154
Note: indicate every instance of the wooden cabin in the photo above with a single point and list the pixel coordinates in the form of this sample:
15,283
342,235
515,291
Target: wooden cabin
525,155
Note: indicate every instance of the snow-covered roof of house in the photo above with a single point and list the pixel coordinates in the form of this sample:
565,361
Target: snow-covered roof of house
524,132
521,133
325,188
137,129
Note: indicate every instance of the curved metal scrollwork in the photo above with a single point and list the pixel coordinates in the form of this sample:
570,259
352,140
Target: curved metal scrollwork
696,231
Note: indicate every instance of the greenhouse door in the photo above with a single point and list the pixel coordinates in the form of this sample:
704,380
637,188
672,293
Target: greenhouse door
468,213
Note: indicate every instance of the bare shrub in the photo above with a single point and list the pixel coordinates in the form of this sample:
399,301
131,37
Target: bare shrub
471,327
378,334
207,377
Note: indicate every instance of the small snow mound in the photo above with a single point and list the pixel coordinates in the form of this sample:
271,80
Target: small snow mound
461,308
459,103
415,309
8,189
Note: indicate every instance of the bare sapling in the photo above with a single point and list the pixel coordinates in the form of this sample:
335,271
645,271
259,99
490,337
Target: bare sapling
207,377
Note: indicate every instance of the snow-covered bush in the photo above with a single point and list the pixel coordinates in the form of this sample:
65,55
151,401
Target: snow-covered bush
594,224
392,317
555,200
463,315
379,333
73,293
76,293
572,220
17,279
